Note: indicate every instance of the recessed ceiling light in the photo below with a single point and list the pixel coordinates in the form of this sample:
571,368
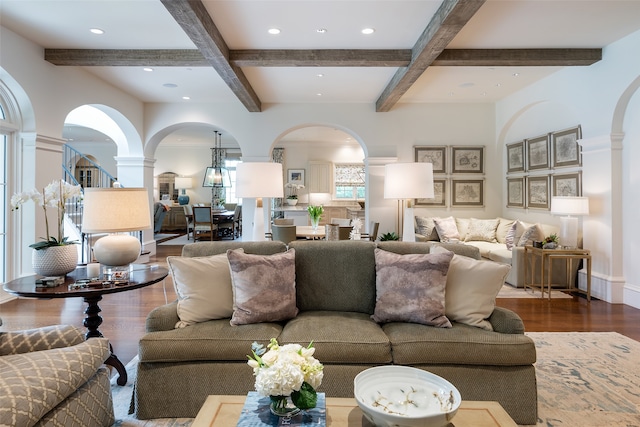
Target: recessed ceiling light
274,31
515,74
368,31
186,98
171,85
148,69
96,31
498,84
321,30
318,94
467,84
319,75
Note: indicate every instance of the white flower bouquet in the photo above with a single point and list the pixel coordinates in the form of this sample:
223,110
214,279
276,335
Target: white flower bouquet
288,370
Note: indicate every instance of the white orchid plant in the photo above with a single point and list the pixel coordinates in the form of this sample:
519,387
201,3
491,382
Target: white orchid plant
54,196
357,226
293,189
287,370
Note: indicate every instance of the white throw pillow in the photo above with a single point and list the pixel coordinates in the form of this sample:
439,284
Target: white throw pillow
482,230
203,285
427,227
531,234
472,287
447,229
514,234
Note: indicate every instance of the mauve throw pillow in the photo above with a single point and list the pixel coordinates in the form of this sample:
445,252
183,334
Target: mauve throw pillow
447,229
531,234
264,287
411,288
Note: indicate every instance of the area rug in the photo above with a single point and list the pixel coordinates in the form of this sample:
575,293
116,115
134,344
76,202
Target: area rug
508,291
585,379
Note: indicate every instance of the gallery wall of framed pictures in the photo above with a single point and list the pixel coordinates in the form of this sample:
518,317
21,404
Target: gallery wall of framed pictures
544,166
458,175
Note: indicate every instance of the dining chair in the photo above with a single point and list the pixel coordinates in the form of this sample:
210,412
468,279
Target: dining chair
225,224
283,221
203,222
237,220
283,233
343,222
188,214
373,232
344,232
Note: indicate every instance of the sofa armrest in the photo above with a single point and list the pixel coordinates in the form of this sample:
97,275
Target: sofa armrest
163,318
45,338
506,321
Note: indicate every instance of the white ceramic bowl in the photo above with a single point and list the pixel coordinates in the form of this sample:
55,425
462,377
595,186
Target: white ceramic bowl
405,397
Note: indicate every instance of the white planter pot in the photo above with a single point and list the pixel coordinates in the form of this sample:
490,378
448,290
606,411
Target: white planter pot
55,260
292,202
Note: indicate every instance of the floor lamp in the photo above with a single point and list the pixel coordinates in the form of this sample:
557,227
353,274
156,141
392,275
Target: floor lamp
577,206
258,180
116,210
406,182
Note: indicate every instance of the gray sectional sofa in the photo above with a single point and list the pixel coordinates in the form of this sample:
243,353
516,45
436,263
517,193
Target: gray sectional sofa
335,290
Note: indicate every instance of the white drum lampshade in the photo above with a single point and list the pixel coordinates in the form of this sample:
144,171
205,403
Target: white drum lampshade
577,206
408,181
258,180
116,210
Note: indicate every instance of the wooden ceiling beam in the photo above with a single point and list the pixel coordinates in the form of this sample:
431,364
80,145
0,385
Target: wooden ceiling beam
449,19
517,57
323,58
196,22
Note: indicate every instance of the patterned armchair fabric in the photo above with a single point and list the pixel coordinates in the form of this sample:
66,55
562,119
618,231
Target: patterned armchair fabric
52,377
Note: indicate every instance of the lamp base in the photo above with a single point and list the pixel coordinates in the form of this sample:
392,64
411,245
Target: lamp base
117,249
183,199
569,232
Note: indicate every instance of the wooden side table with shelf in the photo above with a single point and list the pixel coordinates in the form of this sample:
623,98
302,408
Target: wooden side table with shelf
547,258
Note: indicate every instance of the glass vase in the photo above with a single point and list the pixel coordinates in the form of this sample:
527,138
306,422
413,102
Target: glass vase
283,406
314,223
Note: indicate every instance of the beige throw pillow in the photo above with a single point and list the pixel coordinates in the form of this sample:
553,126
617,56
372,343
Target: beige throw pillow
427,227
264,287
472,287
447,229
203,286
482,230
410,288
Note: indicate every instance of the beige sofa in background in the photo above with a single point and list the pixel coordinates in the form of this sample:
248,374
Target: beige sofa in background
497,250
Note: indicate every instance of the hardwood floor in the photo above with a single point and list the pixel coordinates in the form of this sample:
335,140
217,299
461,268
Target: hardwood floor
124,313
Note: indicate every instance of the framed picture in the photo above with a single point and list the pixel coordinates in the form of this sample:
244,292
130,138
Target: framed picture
569,184
440,194
515,192
566,150
434,155
515,157
538,153
467,159
467,192
296,176
538,192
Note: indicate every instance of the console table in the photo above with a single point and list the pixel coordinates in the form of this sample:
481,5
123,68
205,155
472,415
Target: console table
141,275
547,258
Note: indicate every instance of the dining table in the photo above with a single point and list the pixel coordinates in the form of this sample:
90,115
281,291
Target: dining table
307,232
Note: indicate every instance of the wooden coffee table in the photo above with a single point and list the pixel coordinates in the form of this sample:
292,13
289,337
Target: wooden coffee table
224,411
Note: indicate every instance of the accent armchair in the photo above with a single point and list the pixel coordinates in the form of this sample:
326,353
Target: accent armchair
52,376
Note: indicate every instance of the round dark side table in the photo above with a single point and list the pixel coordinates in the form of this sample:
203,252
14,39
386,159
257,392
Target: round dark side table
141,275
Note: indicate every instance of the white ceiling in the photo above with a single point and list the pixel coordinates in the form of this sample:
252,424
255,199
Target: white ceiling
146,24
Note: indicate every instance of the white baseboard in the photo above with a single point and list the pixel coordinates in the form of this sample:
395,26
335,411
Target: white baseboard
605,288
632,295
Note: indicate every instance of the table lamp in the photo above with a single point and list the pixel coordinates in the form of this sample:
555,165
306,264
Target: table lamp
258,180
406,182
116,210
568,206
183,183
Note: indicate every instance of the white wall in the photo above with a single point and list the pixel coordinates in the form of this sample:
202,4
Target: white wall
594,97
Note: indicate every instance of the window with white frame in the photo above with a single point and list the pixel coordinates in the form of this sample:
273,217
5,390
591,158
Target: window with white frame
349,181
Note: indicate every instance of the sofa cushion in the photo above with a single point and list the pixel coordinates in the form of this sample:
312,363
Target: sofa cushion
335,275
472,287
503,255
34,383
426,227
339,337
203,286
264,287
410,288
215,340
413,344
462,224
482,229
447,229
485,248
531,234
